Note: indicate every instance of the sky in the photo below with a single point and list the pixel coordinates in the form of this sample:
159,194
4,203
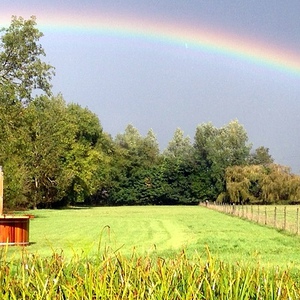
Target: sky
171,64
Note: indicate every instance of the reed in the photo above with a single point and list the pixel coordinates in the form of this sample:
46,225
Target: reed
111,275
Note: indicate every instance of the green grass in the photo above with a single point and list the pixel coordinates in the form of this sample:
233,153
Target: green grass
150,253
114,276
160,231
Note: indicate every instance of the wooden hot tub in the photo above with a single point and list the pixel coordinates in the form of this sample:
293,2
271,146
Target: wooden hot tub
14,230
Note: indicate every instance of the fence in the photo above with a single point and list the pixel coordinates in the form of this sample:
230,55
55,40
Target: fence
281,217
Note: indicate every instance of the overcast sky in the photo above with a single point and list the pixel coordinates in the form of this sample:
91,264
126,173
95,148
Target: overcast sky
154,84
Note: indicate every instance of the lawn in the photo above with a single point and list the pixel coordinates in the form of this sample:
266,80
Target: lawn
161,231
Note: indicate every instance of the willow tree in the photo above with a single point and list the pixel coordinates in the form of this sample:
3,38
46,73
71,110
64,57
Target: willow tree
294,188
243,184
276,184
270,183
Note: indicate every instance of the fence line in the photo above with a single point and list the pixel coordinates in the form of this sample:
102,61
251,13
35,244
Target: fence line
280,217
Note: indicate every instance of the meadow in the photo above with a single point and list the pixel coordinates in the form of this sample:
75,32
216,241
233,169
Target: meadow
281,217
150,252
159,230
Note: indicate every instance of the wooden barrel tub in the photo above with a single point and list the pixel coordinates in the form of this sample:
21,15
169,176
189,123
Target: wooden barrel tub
14,230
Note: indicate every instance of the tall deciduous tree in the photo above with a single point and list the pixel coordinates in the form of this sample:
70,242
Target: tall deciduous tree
261,156
203,181
179,147
14,135
51,137
22,74
21,65
151,147
215,150
86,160
134,168
178,170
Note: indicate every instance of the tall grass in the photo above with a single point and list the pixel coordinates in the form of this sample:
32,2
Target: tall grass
110,275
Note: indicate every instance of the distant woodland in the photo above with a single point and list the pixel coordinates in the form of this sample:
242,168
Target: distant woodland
56,154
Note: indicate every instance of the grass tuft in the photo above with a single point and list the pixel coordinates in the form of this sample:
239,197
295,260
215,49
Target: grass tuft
114,276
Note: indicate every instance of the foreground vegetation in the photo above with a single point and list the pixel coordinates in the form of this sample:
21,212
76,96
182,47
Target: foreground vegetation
150,252
113,276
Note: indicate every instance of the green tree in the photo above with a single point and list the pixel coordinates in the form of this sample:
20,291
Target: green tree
177,170
151,147
275,183
270,183
51,137
202,180
52,153
21,65
135,169
87,159
229,147
243,184
22,74
261,156
179,147
14,136
215,150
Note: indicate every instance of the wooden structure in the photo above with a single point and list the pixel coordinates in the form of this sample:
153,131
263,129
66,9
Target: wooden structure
14,229
1,191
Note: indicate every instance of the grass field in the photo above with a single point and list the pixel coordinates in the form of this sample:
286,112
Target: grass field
177,252
161,231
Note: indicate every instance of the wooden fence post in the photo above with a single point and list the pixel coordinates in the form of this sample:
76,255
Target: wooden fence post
266,215
297,230
284,221
253,215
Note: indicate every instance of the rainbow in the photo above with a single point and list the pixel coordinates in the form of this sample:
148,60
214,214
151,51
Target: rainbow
165,31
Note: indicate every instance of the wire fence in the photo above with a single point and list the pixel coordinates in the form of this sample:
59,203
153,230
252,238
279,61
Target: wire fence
280,217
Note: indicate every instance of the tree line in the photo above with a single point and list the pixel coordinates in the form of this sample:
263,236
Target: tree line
55,153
